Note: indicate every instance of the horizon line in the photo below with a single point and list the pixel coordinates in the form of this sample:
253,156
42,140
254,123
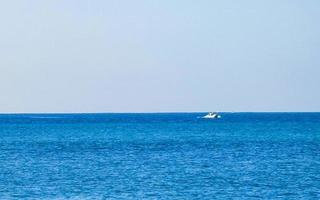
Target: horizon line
160,112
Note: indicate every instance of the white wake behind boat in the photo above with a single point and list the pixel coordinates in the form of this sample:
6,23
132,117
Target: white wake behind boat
212,115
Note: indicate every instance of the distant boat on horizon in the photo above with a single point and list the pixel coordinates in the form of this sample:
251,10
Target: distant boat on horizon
212,115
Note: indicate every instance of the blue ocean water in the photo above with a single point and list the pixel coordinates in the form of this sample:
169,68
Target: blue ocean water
160,156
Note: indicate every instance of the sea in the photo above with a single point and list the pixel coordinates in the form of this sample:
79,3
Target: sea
160,156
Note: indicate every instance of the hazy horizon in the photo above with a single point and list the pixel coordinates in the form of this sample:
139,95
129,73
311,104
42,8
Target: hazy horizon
159,56
162,112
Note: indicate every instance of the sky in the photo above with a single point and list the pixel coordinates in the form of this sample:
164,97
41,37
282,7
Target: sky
159,56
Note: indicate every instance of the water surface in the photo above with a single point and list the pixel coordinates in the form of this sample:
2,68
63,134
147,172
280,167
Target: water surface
160,156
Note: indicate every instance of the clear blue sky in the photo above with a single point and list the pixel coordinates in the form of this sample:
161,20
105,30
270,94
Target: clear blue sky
159,55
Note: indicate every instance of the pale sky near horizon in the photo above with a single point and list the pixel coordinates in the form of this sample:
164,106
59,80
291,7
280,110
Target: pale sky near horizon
159,55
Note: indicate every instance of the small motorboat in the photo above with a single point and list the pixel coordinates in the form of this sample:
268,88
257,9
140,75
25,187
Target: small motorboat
212,115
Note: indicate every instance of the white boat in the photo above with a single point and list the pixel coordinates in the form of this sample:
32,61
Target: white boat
212,115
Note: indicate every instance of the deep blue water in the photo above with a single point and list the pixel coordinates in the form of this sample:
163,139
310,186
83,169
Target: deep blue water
160,156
